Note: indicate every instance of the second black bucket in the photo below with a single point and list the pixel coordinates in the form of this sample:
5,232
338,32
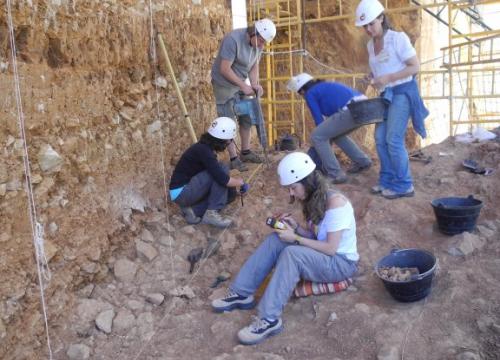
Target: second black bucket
420,285
368,111
455,215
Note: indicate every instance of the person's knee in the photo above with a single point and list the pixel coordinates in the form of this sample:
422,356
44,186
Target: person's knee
317,139
224,167
245,122
394,141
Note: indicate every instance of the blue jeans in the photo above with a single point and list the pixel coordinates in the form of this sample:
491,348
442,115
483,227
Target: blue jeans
291,263
390,141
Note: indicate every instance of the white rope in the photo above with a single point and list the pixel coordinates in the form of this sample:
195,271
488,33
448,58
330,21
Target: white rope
40,252
162,146
36,227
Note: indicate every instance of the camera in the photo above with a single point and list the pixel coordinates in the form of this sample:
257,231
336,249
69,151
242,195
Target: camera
275,223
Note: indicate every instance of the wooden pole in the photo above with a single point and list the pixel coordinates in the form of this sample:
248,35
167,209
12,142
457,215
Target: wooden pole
177,90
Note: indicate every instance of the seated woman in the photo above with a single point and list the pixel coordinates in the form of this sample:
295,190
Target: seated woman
328,99
200,184
324,251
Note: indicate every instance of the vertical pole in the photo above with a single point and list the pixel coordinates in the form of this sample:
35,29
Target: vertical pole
177,90
450,61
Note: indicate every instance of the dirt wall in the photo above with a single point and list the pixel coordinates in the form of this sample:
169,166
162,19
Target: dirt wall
88,90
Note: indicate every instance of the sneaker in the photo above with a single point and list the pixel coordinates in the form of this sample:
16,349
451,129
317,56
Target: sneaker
251,157
238,165
190,216
389,194
259,330
233,301
357,168
212,217
339,179
377,189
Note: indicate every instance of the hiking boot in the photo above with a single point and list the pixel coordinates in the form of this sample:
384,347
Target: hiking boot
251,157
212,217
357,168
339,179
259,330
377,189
233,301
238,165
389,194
190,216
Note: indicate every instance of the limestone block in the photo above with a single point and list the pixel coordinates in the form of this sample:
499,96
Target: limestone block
145,250
48,159
146,236
155,298
78,352
104,320
123,321
124,270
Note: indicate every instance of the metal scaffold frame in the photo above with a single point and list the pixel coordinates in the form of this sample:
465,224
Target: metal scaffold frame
470,64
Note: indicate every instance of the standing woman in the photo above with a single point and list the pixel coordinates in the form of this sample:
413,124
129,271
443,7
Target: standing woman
393,64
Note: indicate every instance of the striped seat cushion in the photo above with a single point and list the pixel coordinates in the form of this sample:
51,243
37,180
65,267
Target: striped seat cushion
306,287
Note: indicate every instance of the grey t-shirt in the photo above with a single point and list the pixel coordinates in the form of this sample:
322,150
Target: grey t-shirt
235,47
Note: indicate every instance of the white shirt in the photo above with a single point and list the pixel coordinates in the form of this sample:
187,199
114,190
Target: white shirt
391,59
341,218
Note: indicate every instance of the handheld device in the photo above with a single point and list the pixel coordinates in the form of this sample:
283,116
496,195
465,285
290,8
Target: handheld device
275,224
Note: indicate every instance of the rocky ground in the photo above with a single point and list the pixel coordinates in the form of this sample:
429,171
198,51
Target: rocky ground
150,307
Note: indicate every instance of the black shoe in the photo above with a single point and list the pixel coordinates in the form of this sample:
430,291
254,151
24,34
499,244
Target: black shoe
357,168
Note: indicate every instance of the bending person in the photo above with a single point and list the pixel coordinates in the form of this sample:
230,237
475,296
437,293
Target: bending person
238,59
200,184
323,251
393,63
327,103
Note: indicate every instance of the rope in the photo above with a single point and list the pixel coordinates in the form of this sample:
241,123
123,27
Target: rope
36,227
162,146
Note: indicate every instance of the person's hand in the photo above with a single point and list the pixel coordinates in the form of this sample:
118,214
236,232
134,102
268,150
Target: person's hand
247,89
287,235
290,221
368,78
381,81
259,90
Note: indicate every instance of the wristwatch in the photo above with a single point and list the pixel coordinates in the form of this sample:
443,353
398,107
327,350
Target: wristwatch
296,242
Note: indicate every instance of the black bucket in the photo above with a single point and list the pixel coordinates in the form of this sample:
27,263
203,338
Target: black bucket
455,215
420,285
369,111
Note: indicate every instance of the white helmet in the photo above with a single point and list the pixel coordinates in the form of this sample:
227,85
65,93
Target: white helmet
296,82
367,11
295,167
223,128
266,29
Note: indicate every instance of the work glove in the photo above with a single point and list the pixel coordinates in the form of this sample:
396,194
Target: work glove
244,188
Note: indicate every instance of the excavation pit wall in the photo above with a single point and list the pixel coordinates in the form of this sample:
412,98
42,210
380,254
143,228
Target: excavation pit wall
94,132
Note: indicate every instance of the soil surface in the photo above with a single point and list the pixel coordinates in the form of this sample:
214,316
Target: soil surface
163,312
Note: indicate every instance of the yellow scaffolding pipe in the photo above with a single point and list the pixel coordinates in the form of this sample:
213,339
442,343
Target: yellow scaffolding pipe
290,19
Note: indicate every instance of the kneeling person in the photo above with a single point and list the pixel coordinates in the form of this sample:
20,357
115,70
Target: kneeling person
200,184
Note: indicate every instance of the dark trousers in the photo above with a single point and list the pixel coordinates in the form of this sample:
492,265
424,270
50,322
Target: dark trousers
203,193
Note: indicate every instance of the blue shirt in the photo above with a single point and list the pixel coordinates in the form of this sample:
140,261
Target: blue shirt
327,98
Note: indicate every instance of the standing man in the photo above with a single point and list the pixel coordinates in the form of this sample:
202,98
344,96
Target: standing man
237,60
